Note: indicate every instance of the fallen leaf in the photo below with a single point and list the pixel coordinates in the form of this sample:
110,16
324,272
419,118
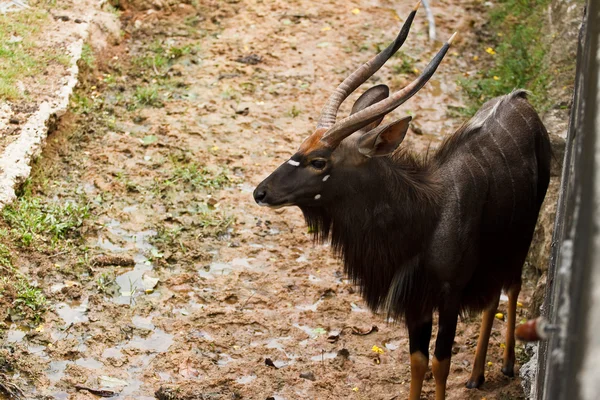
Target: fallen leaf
270,363
357,331
187,370
149,282
377,349
96,392
491,51
150,139
500,316
110,382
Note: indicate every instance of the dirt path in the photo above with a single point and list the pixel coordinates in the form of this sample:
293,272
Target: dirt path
215,297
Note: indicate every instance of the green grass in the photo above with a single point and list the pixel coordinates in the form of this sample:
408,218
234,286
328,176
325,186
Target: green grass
517,55
87,56
5,257
159,56
20,56
294,112
198,177
33,222
406,64
148,96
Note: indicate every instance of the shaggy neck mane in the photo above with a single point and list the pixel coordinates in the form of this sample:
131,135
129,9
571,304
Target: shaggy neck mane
379,225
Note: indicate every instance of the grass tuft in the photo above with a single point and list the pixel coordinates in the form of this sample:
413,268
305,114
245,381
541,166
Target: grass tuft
32,221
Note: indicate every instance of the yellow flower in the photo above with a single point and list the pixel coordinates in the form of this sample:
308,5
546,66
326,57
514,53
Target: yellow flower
475,58
496,78
377,350
325,29
490,363
356,11
500,315
491,51
519,304
355,389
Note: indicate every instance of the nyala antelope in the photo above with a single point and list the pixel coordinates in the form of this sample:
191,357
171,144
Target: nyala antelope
444,233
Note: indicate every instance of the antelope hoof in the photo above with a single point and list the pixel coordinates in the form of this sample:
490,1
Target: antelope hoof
509,370
474,383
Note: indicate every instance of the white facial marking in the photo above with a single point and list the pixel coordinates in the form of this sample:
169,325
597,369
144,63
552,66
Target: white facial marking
293,163
325,178
317,197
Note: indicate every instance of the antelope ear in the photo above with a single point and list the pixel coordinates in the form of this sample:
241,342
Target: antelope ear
368,98
383,140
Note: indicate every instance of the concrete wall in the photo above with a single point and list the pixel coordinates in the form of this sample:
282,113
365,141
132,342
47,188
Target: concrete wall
567,362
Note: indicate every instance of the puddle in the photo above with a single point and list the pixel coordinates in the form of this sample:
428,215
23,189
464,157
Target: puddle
224,359
274,343
392,346
159,341
73,315
112,352
244,380
356,308
312,332
312,307
56,370
164,376
324,356
280,364
219,268
15,334
130,209
141,322
89,363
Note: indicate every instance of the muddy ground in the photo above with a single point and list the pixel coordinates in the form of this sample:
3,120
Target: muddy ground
176,285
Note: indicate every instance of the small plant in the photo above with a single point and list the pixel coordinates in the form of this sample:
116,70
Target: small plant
406,65
148,96
81,104
5,257
106,284
87,56
294,112
27,301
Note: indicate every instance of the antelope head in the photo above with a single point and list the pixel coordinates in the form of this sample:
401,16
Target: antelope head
304,179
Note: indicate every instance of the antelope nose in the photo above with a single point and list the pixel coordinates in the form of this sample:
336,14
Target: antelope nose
259,195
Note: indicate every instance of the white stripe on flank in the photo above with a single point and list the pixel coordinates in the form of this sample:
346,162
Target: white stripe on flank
325,178
293,163
317,197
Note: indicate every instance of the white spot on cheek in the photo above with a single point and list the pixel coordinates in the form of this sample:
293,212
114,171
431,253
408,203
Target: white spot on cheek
325,178
317,197
293,163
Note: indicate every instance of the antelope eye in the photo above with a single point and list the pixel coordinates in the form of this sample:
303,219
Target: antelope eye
318,163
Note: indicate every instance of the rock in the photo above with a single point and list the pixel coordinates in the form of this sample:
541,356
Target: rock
539,252
105,29
537,298
308,376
